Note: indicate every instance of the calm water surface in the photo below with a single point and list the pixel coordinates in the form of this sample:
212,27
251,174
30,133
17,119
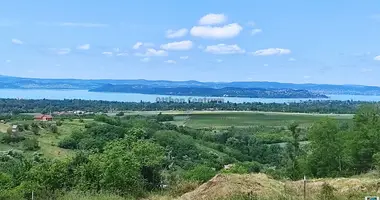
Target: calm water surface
123,97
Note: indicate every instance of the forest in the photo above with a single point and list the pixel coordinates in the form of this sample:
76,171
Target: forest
135,156
45,106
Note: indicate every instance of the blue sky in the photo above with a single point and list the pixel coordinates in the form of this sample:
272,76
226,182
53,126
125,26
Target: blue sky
211,40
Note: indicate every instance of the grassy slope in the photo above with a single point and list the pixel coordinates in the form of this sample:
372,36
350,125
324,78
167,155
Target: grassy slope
48,141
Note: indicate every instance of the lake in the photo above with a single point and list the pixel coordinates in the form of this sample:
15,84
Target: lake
124,97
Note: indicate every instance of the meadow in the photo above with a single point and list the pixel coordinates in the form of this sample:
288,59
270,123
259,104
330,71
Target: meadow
220,120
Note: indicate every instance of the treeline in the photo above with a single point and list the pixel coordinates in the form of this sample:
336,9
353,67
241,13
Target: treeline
45,106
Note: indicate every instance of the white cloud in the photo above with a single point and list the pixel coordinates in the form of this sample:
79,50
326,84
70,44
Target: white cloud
122,54
61,51
137,45
224,49
271,51
17,41
140,44
266,65
145,60
107,53
176,33
184,57
171,61
84,25
84,47
219,60
291,59
256,31
178,46
212,18
377,58
227,31
153,52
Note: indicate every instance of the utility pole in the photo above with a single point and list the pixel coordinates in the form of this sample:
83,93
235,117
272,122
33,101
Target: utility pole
304,187
32,195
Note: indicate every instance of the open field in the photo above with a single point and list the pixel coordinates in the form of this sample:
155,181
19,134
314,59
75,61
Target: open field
246,119
47,140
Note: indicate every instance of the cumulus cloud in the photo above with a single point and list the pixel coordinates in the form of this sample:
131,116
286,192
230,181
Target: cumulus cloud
108,53
137,45
224,49
271,51
176,33
256,31
153,52
171,61
61,51
122,54
140,44
212,18
226,31
377,58
178,46
145,60
17,41
184,57
83,47
84,25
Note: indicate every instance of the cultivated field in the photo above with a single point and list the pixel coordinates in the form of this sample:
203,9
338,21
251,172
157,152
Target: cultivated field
246,119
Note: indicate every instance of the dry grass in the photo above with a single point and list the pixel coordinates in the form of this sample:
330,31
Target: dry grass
262,187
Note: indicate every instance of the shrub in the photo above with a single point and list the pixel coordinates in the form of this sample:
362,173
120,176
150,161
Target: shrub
54,128
120,114
68,143
12,139
30,144
200,173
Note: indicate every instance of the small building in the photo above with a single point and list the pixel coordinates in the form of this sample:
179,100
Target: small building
43,117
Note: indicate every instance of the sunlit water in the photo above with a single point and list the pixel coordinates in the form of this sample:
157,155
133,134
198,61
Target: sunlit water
124,97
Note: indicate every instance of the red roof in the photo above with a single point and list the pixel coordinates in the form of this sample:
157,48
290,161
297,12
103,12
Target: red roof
43,116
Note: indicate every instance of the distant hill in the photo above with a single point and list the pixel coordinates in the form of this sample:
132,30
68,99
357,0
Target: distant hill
211,92
34,83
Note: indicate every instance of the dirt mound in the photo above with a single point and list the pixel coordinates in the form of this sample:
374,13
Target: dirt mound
224,185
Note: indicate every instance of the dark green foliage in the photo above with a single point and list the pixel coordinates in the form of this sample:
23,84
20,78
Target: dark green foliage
200,173
30,144
7,139
120,114
163,118
38,106
68,143
54,128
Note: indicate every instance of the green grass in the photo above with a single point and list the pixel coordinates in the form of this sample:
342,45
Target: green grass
246,119
48,141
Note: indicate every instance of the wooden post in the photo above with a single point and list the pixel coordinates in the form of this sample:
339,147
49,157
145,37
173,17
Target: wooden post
304,187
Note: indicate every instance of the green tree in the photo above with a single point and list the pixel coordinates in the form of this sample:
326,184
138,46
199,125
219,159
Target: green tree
293,152
326,149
